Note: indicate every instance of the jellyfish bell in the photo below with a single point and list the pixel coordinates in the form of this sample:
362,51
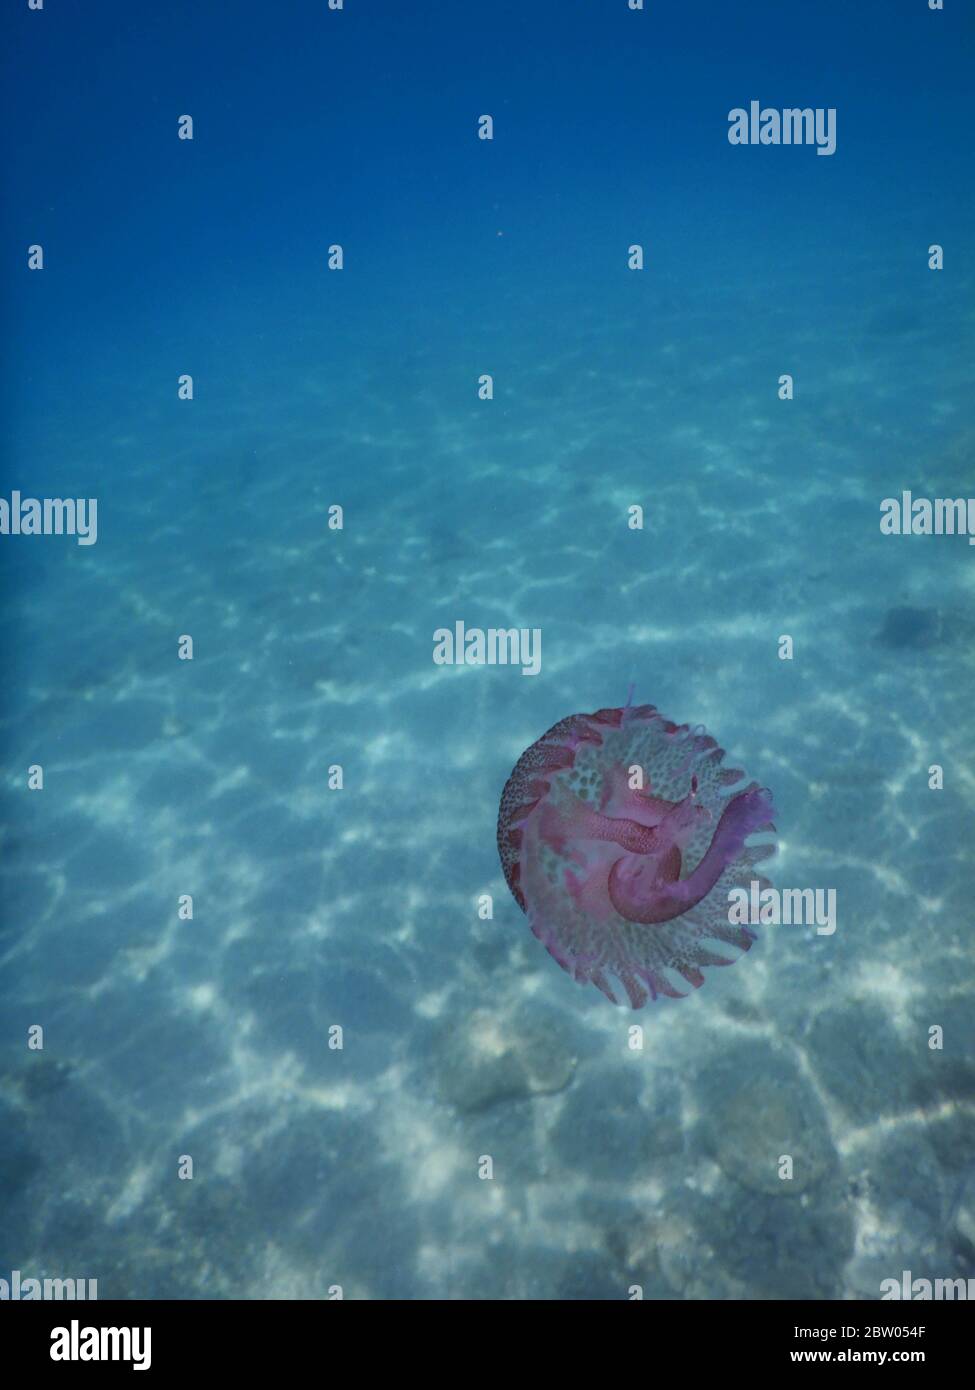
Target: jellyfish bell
624,883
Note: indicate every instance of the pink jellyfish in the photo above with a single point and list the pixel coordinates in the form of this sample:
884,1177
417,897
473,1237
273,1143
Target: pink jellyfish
619,839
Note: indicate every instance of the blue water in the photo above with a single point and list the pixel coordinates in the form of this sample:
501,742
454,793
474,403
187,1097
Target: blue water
361,1167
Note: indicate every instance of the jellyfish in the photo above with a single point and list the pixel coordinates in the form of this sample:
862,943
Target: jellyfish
621,835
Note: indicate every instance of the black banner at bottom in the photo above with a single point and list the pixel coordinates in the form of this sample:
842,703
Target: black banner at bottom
169,1338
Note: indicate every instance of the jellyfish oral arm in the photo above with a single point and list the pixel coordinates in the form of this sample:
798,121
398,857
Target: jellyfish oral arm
654,828
640,886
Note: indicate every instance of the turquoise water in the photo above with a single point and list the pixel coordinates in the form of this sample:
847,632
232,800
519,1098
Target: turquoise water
362,907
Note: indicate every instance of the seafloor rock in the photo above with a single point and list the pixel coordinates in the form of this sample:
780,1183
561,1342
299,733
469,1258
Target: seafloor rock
864,1064
964,1215
908,1200
779,1249
489,1056
757,1108
605,1130
912,628
19,1161
906,1183
949,1072
520,1269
